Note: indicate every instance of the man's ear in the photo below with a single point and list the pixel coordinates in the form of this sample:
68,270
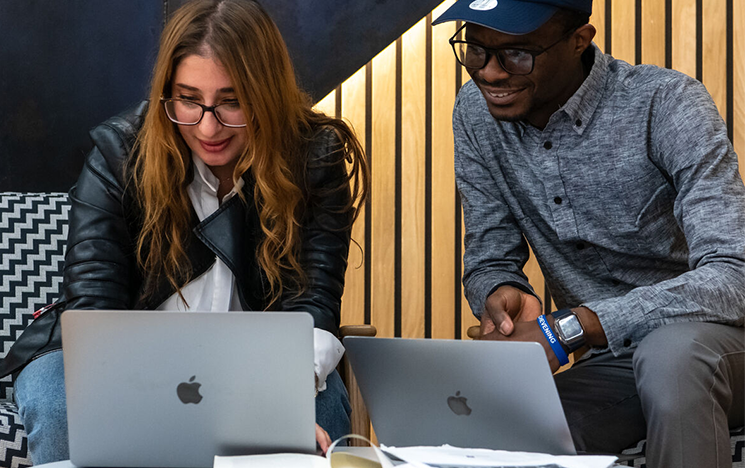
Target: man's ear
583,37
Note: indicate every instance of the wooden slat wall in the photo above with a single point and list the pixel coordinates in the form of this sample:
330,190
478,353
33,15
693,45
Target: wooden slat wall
737,114
405,275
653,32
413,167
714,47
623,40
444,285
684,36
353,98
598,19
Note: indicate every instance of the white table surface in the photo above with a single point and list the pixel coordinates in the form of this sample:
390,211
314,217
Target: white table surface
68,464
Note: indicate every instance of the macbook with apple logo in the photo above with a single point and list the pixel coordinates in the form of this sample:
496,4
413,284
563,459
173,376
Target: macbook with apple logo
174,389
472,394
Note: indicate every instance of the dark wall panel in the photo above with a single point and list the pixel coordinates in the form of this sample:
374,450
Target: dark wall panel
66,65
329,40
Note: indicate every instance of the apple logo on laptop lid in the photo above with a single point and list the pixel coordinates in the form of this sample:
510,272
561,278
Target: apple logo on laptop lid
188,392
458,404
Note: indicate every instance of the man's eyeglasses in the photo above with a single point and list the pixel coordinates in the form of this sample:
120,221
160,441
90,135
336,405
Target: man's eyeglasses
185,112
514,61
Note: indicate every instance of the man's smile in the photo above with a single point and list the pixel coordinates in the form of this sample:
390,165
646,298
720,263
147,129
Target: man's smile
501,96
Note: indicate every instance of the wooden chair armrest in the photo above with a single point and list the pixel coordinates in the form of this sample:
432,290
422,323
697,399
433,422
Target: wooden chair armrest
357,330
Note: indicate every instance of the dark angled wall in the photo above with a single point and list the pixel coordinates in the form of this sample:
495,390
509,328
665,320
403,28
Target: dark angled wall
329,40
66,65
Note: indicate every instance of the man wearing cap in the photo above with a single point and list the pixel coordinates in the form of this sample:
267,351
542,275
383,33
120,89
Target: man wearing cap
623,181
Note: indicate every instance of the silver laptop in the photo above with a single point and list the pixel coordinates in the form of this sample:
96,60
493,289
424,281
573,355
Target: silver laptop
474,394
174,389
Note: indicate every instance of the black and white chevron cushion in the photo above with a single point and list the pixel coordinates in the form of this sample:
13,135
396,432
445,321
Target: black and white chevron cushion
33,230
738,447
13,441
737,440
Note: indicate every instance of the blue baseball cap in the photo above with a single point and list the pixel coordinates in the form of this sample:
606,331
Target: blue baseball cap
510,16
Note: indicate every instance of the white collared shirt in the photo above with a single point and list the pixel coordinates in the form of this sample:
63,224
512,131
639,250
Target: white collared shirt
215,289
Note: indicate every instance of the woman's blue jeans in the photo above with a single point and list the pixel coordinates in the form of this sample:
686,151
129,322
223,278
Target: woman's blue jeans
39,391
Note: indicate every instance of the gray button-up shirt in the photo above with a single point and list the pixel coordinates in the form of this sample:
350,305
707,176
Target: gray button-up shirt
630,198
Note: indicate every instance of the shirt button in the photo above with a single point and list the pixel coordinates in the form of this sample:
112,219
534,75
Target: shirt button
557,200
580,245
578,122
548,145
626,342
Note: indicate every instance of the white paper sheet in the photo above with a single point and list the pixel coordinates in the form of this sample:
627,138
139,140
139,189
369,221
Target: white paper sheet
450,456
280,460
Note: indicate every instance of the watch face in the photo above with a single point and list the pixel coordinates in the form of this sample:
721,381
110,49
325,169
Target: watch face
570,327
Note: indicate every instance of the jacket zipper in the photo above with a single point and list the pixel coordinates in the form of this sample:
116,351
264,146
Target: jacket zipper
43,310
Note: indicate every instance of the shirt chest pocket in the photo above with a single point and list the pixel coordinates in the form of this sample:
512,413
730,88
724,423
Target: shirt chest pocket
630,209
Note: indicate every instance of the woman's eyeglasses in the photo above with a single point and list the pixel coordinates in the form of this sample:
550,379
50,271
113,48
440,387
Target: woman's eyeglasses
185,112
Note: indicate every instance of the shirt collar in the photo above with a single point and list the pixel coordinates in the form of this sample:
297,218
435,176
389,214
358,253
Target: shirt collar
520,127
208,180
581,106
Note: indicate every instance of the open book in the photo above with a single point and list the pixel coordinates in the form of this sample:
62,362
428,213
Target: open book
336,457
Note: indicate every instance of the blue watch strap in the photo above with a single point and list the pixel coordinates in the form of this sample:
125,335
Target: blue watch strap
553,341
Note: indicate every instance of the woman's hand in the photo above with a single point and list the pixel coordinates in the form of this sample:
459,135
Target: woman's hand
323,439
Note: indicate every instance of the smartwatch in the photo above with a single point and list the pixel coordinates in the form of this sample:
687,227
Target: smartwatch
569,329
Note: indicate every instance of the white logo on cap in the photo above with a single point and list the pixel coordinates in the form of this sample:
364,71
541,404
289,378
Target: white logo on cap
484,5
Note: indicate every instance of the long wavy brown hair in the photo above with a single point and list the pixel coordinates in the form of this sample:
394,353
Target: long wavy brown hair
240,36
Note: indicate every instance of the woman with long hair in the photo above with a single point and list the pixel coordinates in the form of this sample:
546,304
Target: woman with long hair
226,139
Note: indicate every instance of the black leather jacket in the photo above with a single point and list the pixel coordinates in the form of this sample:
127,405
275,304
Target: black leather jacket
101,270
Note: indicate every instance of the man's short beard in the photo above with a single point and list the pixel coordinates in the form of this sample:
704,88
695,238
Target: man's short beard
511,118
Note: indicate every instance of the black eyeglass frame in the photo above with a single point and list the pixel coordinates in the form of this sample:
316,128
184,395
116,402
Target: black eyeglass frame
212,109
489,52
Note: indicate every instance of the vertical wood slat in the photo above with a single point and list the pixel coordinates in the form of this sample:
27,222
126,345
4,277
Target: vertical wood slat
533,271
383,190
684,36
412,177
598,20
653,32
443,179
327,105
467,318
623,30
739,82
714,69
353,302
